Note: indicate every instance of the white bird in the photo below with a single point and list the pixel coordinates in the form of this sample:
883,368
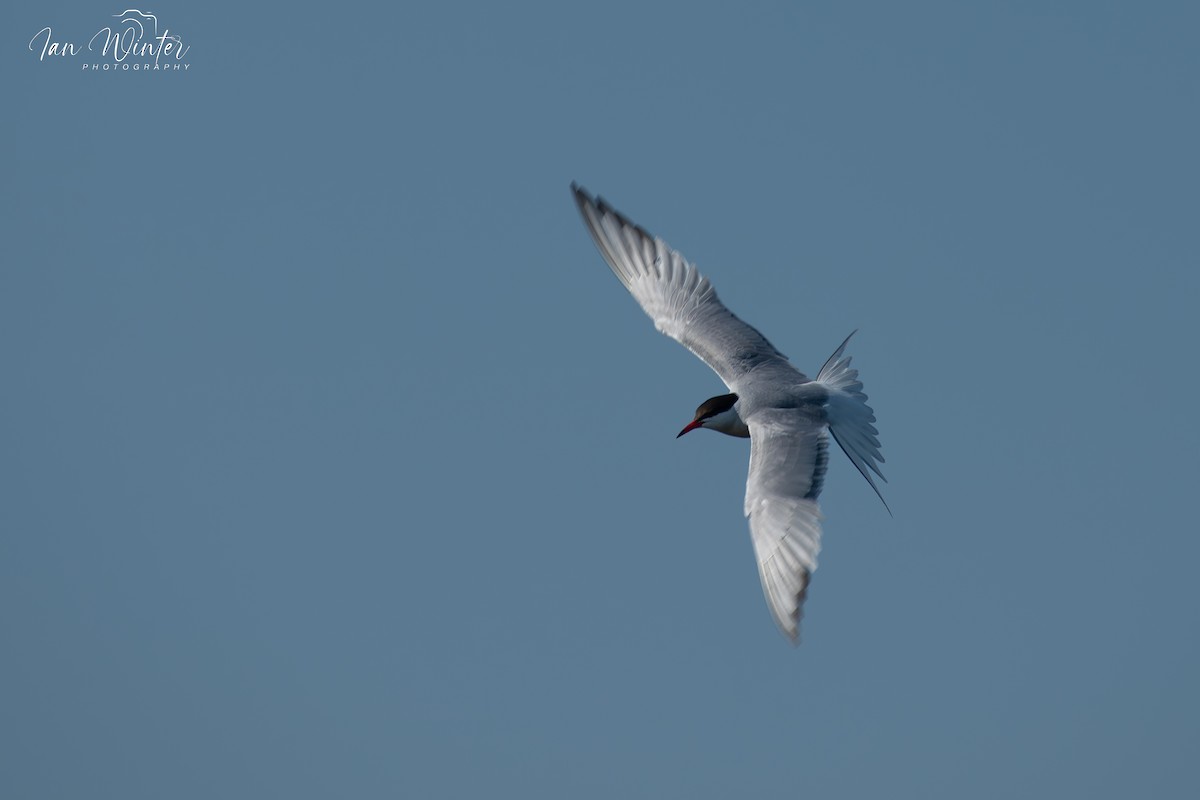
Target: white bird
785,415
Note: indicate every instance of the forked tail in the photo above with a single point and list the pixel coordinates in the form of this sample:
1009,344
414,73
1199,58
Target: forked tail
851,420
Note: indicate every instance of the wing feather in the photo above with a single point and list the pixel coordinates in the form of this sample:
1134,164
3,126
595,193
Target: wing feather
787,464
680,301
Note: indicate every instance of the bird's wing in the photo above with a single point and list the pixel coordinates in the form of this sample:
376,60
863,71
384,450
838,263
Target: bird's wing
788,456
681,301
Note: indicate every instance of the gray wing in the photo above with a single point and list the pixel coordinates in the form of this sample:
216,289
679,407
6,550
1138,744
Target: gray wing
788,456
681,301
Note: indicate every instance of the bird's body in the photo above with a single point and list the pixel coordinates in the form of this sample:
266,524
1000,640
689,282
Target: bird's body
786,416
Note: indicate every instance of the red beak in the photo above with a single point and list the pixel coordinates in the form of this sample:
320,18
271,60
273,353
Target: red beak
691,426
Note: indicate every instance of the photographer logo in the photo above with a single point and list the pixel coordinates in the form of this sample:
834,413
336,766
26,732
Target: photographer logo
133,42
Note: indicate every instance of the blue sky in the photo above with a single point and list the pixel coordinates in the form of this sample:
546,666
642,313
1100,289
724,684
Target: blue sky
338,463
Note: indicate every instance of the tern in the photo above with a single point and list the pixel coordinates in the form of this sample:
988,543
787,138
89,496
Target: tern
787,416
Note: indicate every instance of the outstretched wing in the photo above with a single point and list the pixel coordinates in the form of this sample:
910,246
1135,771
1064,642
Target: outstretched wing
681,301
788,456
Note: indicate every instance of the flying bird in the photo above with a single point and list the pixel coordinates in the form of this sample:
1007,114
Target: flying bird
787,416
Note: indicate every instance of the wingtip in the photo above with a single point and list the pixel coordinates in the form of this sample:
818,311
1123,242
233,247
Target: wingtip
791,627
582,198
793,636
585,199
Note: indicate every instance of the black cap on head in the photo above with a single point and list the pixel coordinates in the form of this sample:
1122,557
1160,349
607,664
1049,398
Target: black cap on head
716,405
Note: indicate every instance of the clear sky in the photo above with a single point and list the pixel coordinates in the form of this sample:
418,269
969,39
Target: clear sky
336,463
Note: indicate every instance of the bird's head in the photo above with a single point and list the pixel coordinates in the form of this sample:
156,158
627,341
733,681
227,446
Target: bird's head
719,414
